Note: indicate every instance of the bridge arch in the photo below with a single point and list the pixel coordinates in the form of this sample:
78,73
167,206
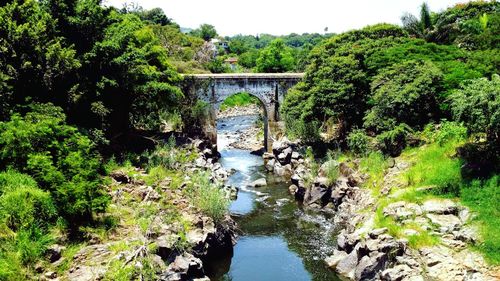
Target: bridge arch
263,107
269,88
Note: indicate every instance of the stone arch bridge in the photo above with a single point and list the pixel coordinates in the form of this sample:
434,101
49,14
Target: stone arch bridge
269,88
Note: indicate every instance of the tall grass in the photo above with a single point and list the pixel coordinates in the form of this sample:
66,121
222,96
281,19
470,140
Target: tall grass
208,197
483,197
435,167
374,165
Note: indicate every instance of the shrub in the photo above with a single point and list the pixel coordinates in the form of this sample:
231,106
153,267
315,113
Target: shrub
25,207
60,159
483,197
12,180
450,132
358,141
477,104
394,141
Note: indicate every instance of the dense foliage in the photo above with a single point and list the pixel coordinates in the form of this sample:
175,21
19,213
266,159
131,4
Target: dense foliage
477,104
389,79
276,57
60,159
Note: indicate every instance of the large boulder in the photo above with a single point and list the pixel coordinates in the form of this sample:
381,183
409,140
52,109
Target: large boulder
333,260
319,193
347,266
184,267
369,266
285,156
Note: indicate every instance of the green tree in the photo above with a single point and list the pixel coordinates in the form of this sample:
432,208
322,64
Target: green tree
477,104
34,60
405,93
205,31
60,159
276,57
335,92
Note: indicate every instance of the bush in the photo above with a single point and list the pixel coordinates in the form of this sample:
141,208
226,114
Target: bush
483,197
212,201
60,159
394,141
358,141
477,104
12,180
25,207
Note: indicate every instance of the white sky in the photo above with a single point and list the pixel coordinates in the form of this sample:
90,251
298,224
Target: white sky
280,17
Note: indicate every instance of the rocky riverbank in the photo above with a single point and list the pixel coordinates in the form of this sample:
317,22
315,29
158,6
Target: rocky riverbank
368,252
158,234
248,138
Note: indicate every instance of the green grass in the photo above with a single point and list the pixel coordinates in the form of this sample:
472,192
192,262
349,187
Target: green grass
207,196
240,99
483,197
374,165
422,239
434,165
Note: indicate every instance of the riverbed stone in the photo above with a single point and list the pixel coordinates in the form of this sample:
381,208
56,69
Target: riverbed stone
259,183
347,266
369,266
333,260
270,164
396,273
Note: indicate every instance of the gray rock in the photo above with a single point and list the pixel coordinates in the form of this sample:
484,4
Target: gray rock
437,206
446,223
369,266
296,179
318,194
186,267
402,210
166,245
120,176
54,252
293,189
347,266
258,183
333,260
270,164
396,273
295,155
466,234
377,232
50,275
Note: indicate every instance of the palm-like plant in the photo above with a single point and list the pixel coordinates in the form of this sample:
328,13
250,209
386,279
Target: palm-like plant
419,27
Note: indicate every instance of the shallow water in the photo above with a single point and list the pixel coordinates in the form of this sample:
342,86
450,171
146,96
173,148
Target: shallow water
279,240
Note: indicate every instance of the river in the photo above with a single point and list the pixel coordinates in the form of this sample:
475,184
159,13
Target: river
279,240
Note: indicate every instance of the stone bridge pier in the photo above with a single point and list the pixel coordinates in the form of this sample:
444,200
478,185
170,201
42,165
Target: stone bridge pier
269,88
